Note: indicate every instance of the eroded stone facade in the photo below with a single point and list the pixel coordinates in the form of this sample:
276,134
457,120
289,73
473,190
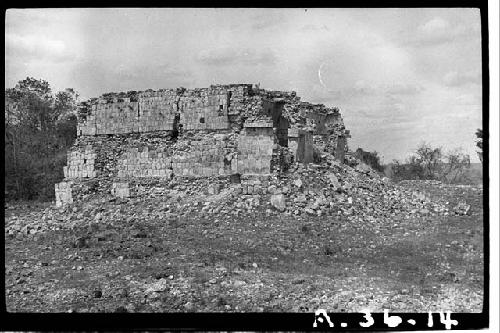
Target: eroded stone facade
80,164
140,138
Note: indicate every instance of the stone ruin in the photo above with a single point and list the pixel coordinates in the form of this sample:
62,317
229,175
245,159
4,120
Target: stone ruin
129,143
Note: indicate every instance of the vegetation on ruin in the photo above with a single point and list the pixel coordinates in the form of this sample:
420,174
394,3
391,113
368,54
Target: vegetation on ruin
370,158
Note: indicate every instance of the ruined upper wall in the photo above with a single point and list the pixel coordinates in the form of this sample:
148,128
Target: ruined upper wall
149,111
218,107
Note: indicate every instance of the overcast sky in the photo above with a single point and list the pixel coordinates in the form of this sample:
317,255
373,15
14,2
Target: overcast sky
399,76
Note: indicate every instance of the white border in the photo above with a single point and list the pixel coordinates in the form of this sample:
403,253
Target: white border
493,10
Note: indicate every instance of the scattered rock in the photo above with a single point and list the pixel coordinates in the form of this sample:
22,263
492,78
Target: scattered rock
278,202
310,211
160,285
239,283
214,189
334,182
462,208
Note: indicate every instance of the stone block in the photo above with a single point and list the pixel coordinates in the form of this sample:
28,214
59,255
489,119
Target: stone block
213,189
120,190
63,193
278,201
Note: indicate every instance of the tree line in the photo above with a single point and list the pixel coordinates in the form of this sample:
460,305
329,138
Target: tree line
39,128
426,163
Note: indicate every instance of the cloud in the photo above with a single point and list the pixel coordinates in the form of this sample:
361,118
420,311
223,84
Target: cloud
387,114
308,28
143,72
269,19
98,77
435,25
457,79
404,89
362,88
230,56
31,47
16,19
149,77
437,31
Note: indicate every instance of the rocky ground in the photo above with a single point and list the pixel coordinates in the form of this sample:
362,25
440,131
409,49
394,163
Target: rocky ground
343,241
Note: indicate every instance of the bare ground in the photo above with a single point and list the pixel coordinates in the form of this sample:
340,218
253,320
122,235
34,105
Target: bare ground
137,260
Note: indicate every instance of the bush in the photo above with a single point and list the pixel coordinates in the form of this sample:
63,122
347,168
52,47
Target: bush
370,158
430,163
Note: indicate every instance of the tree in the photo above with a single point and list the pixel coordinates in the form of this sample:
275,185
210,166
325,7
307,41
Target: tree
456,163
429,160
431,163
38,128
479,143
66,109
33,101
66,102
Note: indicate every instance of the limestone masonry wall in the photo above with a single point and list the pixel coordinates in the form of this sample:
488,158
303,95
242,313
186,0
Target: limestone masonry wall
207,111
151,111
157,113
204,156
80,164
111,118
255,149
145,163
130,140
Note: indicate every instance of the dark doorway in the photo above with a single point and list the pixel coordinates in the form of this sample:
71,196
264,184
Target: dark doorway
274,109
177,128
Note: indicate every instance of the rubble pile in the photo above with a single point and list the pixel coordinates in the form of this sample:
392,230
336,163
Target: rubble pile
329,190
222,130
250,149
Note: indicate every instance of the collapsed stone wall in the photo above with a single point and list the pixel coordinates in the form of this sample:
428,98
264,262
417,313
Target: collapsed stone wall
325,123
149,111
324,120
132,140
205,155
301,143
146,159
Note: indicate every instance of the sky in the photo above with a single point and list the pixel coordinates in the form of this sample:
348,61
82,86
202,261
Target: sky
399,76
